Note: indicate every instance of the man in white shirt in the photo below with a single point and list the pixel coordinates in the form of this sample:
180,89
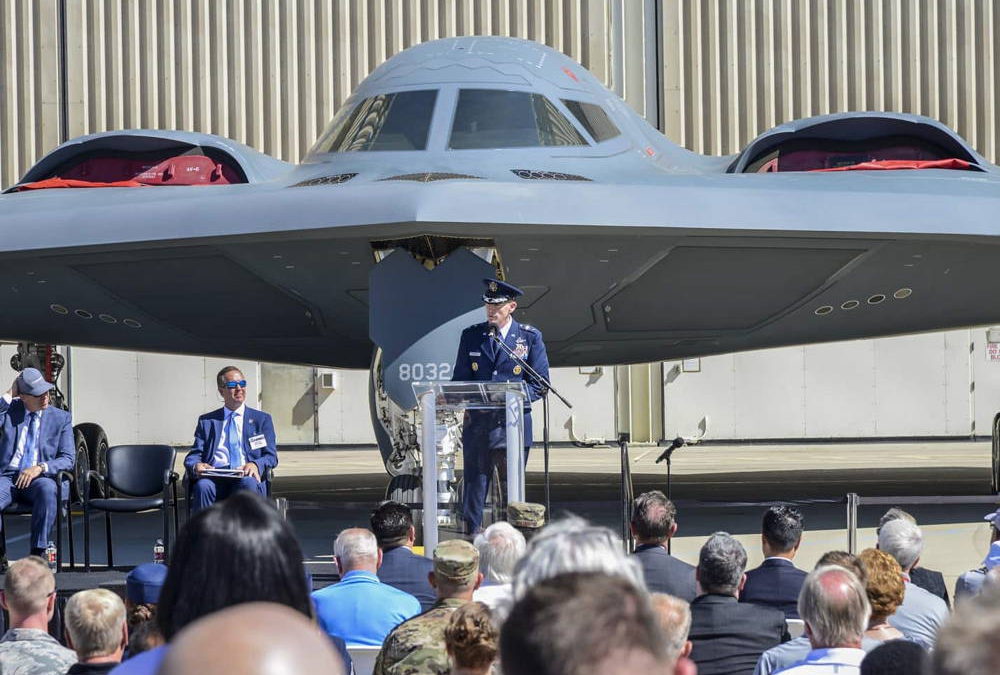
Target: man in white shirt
234,438
835,608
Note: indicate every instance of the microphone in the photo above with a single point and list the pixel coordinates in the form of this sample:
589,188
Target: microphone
492,331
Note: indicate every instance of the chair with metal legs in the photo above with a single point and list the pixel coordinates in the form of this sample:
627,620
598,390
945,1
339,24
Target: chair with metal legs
65,507
137,478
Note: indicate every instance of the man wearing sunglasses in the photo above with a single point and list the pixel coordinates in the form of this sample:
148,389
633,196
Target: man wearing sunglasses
36,443
233,438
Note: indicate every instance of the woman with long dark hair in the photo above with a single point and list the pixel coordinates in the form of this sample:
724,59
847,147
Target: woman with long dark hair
239,550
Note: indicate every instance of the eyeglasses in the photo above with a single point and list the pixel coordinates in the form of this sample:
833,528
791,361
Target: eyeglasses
232,384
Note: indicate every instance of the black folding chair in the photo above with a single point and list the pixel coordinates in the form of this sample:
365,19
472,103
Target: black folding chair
143,478
65,507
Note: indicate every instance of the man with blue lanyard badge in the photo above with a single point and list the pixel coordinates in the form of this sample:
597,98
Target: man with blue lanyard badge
36,443
481,359
233,438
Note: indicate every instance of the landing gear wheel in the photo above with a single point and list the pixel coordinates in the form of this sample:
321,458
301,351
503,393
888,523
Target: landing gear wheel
97,444
81,467
407,488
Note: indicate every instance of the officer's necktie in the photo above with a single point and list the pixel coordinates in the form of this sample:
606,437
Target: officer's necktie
233,443
30,456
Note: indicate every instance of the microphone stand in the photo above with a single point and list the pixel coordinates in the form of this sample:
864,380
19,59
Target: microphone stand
666,456
547,387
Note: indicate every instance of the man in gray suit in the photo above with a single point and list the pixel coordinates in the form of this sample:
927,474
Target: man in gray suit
653,523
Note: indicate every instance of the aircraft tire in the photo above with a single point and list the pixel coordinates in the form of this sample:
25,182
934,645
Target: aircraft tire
97,445
81,467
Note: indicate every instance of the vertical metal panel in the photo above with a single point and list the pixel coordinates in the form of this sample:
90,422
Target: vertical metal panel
29,84
735,68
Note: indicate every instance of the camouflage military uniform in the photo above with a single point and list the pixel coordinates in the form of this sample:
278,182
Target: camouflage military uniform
416,646
28,651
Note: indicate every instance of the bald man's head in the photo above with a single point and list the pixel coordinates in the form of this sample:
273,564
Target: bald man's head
221,644
835,607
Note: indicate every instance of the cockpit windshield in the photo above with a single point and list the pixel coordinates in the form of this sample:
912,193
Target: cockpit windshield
397,121
492,118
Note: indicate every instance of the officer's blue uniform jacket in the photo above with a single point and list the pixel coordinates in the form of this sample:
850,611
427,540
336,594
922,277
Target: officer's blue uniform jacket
481,360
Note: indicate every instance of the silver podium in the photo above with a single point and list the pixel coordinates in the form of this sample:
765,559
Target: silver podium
433,397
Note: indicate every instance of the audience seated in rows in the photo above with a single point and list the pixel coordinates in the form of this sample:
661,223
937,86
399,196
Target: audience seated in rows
29,597
401,568
653,524
971,582
232,641
500,548
417,645
834,606
929,580
472,640
237,551
729,636
896,657
583,623
360,609
96,630
921,613
776,583
885,591
142,591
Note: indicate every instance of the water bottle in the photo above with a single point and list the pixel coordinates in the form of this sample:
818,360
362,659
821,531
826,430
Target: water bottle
50,556
159,553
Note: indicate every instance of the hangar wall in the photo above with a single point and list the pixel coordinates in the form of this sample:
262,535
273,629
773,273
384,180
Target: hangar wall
712,74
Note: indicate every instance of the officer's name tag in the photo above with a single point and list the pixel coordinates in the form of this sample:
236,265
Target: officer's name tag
257,442
475,353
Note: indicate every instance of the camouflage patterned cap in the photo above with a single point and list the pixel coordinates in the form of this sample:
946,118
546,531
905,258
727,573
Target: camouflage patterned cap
456,561
526,514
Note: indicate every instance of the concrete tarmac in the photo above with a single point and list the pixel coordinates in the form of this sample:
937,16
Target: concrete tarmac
329,490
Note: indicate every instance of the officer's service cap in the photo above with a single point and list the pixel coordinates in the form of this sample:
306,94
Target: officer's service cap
456,561
143,584
498,292
526,514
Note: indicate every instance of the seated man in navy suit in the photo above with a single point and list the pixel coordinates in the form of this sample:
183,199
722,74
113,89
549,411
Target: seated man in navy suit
401,568
777,582
36,443
233,437
653,524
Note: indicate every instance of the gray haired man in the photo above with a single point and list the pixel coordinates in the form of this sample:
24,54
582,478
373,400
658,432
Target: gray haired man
834,606
500,547
922,612
729,636
29,596
96,629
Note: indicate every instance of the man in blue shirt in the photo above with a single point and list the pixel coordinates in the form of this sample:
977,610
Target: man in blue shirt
360,609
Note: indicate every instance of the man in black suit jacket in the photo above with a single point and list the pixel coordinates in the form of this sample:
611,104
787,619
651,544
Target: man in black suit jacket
653,524
728,636
777,582
401,568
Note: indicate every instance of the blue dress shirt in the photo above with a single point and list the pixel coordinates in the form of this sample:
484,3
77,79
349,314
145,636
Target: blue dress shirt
362,610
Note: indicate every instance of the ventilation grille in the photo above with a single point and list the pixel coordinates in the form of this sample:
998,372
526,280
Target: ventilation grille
532,174
432,176
326,180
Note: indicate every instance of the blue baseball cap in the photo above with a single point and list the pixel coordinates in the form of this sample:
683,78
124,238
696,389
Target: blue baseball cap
498,292
143,584
32,382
